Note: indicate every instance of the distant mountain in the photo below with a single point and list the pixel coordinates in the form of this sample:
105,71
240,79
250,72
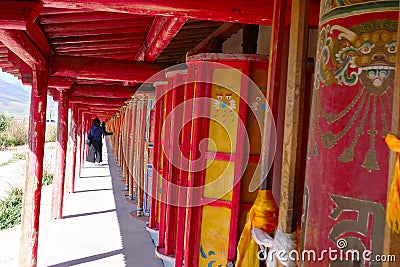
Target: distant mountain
14,98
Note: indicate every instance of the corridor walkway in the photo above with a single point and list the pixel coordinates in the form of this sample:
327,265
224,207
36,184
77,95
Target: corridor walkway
96,229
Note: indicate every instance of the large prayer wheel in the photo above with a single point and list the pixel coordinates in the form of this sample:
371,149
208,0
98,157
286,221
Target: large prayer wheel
347,166
228,160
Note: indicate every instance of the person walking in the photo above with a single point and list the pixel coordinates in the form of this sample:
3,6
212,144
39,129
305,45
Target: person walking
95,142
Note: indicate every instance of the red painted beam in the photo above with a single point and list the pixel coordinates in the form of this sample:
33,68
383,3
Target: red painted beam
109,91
129,46
110,53
104,111
18,63
61,152
98,101
98,45
26,79
101,115
95,38
101,69
139,23
60,82
21,45
155,28
53,11
15,15
251,11
159,41
111,107
9,69
126,55
38,38
139,30
85,17
169,30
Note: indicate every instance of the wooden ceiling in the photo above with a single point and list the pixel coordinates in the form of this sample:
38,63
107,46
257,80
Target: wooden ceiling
110,35
115,42
94,34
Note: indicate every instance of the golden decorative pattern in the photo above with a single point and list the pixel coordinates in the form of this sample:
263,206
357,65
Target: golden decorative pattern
361,58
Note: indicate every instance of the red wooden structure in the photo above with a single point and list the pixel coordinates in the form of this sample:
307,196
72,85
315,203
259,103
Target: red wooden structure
98,58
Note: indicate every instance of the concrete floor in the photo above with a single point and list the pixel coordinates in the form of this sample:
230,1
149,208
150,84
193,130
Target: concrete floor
96,229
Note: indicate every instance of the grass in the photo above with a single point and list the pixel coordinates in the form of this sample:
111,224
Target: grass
51,145
47,179
15,134
6,162
10,209
16,156
11,206
19,156
51,133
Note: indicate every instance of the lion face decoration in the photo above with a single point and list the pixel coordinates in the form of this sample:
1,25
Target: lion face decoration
369,56
375,58
361,58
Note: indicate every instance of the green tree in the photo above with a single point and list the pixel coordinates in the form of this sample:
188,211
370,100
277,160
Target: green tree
3,122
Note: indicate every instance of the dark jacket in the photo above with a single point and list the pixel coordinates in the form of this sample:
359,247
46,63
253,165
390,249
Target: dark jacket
96,132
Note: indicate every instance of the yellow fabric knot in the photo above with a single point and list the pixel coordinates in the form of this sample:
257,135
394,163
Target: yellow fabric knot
264,215
393,205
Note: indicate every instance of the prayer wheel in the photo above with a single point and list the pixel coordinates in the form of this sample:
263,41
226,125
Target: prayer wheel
224,173
347,162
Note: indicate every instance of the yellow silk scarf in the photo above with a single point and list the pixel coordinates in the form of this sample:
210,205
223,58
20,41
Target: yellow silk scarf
393,205
264,215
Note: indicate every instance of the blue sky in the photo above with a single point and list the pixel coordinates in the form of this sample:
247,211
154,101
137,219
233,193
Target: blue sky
8,77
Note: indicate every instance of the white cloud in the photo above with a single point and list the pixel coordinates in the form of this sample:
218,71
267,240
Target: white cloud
8,77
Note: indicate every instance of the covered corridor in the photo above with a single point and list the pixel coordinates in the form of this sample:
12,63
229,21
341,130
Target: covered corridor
229,117
96,229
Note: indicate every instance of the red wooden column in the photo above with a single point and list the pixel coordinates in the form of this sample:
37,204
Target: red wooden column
81,142
175,78
88,124
120,139
185,140
142,131
277,70
128,150
34,171
78,143
149,162
110,124
61,151
83,134
136,163
125,146
165,169
116,136
83,145
132,150
74,145
160,87
199,132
